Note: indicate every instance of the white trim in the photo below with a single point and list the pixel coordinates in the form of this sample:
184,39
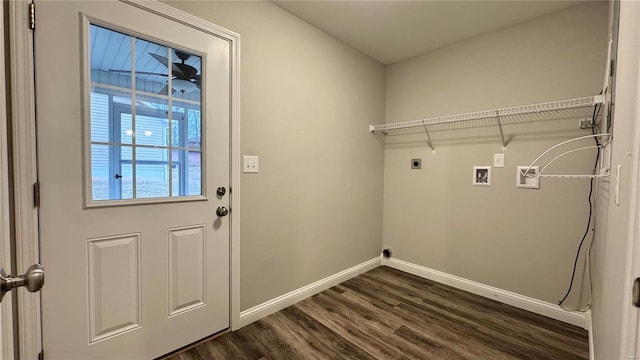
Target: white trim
96,204
274,305
630,326
520,301
25,172
587,320
6,313
589,325
234,190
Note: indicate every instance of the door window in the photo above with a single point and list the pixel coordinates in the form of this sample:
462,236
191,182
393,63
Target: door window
145,120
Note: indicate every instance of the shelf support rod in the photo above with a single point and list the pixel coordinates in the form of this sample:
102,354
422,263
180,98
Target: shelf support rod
504,144
428,137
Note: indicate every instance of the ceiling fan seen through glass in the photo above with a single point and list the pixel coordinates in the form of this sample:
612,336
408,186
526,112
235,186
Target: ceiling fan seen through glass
185,77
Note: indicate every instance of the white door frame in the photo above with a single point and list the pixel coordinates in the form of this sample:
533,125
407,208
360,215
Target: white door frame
6,315
25,166
24,172
629,344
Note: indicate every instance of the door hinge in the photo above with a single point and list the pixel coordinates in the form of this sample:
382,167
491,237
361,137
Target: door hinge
612,68
32,16
635,297
41,355
36,194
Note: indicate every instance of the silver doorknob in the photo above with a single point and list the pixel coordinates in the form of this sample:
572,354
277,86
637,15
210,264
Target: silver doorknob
32,279
222,211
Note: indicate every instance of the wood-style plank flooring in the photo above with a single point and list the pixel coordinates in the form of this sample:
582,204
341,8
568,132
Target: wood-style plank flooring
389,314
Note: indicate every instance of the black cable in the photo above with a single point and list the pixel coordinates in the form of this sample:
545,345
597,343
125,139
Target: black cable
575,263
596,111
593,128
610,122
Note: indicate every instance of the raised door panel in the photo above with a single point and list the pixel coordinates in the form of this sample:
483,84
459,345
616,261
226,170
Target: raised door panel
187,269
114,285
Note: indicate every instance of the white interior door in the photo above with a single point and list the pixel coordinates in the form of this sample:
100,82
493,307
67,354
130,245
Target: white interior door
133,141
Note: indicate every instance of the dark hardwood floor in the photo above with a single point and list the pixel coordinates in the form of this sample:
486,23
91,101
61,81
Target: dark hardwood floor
389,314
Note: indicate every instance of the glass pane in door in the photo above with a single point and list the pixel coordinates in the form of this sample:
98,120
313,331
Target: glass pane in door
145,119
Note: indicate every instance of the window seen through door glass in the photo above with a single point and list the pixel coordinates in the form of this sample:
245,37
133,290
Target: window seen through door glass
146,121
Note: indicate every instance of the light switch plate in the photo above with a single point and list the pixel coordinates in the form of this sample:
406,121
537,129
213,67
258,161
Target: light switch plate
250,164
498,160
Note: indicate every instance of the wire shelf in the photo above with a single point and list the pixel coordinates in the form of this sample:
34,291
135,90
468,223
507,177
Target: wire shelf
572,176
490,114
555,109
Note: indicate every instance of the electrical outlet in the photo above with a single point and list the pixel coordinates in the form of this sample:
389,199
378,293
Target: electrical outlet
586,123
498,160
251,164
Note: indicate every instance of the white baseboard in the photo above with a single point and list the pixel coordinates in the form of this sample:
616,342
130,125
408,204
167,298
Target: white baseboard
520,301
274,305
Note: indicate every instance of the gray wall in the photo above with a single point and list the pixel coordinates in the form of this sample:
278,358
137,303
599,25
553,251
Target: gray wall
612,252
315,208
520,240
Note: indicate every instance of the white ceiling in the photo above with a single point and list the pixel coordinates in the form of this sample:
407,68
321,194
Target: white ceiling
392,31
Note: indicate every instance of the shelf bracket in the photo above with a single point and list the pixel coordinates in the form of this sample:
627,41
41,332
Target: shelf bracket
428,137
599,99
380,135
504,143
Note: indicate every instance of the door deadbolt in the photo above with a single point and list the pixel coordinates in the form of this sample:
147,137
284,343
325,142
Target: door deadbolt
32,279
222,211
221,191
